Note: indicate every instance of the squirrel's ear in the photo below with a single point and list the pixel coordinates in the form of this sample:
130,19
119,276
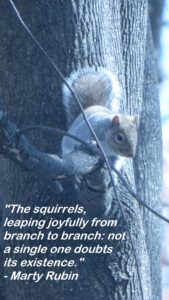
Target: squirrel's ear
135,120
116,120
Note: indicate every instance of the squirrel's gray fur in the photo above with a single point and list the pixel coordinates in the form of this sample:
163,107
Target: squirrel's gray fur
92,87
99,93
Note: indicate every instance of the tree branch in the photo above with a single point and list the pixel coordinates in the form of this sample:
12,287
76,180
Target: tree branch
50,167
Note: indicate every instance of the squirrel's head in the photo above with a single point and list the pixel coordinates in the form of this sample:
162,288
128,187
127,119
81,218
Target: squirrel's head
122,135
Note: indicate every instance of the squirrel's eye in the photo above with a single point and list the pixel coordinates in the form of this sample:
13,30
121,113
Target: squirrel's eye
119,138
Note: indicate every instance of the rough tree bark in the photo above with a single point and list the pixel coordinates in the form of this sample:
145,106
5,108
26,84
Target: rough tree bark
114,34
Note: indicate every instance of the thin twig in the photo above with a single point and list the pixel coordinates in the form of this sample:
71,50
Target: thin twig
55,131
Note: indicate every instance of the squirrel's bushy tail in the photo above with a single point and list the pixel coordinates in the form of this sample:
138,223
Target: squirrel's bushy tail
92,88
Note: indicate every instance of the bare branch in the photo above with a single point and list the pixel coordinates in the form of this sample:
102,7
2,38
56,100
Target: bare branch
47,166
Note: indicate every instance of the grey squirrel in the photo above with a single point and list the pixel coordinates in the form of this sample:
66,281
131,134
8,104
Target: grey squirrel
99,93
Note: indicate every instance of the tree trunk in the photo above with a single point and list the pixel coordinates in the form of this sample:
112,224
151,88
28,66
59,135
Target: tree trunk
76,34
